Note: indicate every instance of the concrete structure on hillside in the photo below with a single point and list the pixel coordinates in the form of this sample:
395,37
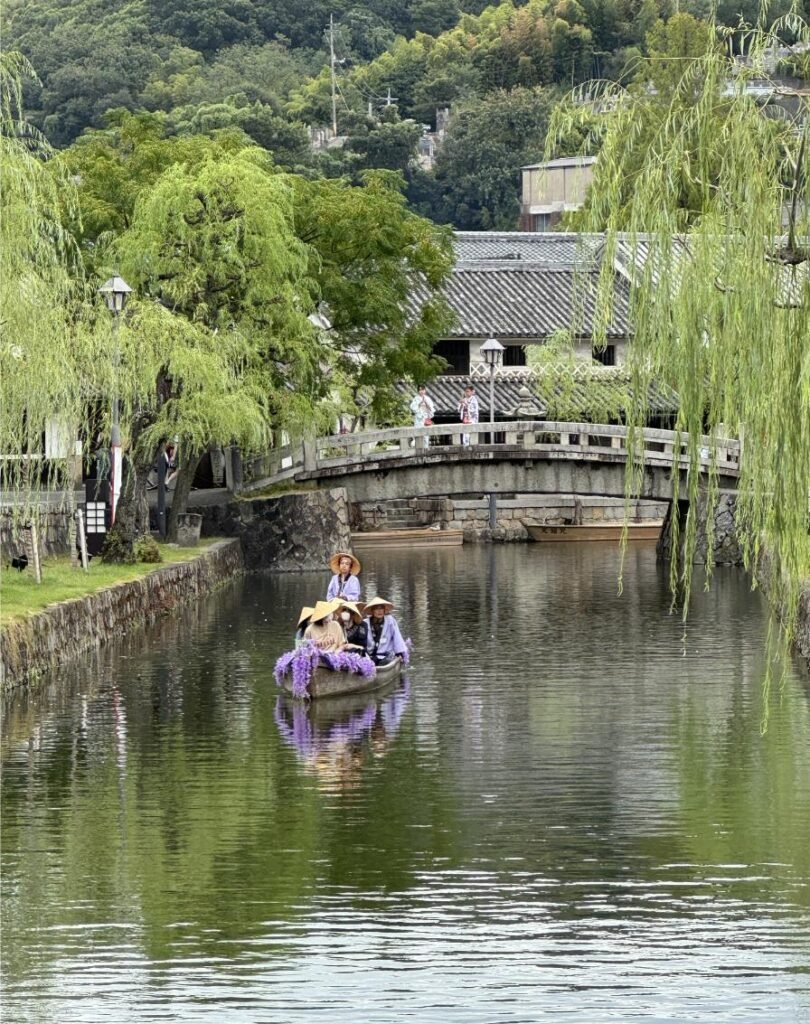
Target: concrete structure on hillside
553,188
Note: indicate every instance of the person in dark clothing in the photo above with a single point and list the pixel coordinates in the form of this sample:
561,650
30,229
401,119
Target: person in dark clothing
350,617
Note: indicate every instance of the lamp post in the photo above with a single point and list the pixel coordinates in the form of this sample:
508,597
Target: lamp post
115,292
492,351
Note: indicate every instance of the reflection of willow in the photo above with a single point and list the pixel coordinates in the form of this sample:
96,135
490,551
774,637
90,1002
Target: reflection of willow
330,735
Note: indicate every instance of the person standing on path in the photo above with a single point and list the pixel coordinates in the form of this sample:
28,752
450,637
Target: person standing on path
468,410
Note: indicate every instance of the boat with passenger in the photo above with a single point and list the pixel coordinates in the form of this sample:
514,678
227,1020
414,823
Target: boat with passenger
342,646
342,680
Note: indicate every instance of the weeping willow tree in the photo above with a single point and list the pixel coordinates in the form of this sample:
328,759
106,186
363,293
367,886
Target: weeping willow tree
704,198
223,351
48,363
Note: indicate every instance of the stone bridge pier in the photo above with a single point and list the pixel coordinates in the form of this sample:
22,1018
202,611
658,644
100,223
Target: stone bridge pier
716,539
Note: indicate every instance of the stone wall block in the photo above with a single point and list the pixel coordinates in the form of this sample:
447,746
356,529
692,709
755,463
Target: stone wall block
290,533
62,632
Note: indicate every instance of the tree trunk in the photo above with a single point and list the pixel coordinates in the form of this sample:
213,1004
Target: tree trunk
182,489
119,546
132,514
140,498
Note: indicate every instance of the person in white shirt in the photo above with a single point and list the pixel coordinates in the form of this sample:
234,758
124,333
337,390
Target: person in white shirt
423,411
468,410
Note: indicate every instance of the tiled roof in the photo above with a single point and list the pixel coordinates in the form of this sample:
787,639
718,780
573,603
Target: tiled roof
561,161
533,246
588,394
526,300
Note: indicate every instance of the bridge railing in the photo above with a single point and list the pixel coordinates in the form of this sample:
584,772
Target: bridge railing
547,439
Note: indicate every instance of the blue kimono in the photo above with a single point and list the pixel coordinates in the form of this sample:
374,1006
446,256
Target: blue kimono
390,642
347,586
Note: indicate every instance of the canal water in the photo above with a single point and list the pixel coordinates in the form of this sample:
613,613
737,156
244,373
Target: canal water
569,811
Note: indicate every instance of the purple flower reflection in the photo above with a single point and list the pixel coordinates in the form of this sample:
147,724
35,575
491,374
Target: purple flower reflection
313,740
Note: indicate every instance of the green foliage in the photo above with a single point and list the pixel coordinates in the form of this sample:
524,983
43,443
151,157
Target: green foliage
368,253
47,366
119,547
229,347
476,185
147,549
722,314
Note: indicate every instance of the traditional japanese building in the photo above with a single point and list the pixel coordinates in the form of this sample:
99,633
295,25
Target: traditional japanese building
522,288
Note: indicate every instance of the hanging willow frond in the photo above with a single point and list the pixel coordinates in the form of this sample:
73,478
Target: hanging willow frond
692,191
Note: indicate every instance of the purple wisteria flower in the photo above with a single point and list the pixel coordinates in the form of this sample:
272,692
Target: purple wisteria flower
303,661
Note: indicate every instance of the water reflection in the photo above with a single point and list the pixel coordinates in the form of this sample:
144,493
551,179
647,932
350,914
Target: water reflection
335,737
571,813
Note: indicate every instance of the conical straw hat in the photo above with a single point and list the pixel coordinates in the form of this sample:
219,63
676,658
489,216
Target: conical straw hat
322,609
387,605
306,612
334,562
357,615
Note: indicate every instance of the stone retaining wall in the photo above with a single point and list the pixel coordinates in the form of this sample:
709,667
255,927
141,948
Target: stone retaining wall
514,513
723,540
63,631
54,533
290,533
803,624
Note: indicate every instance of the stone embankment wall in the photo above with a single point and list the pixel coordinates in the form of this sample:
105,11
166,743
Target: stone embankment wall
514,513
803,624
63,631
290,533
54,534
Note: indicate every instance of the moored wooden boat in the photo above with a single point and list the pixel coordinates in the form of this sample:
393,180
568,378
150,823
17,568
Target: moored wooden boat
408,538
648,530
326,682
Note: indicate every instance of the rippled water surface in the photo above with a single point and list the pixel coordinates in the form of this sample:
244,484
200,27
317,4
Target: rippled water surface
569,811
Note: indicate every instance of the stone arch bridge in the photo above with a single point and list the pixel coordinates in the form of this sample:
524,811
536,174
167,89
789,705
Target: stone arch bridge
584,459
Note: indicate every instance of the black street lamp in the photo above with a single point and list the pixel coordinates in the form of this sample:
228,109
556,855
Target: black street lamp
115,292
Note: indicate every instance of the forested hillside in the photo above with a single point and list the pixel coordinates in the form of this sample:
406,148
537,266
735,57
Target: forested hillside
263,69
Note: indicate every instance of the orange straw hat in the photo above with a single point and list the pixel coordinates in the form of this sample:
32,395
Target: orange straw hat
387,605
334,562
306,612
357,615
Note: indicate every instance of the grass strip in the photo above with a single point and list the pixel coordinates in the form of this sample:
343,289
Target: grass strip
21,596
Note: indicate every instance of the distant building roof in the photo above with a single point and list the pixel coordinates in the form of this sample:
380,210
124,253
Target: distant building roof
562,161
589,394
525,300
534,246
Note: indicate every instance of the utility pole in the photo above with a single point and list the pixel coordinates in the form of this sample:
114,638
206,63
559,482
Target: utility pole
332,63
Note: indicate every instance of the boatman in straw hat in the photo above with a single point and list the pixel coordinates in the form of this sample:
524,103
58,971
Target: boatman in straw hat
344,584
384,638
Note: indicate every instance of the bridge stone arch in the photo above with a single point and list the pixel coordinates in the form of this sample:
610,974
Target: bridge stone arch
520,458
585,459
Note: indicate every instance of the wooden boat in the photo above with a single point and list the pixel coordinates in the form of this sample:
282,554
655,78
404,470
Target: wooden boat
327,683
411,537
647,530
